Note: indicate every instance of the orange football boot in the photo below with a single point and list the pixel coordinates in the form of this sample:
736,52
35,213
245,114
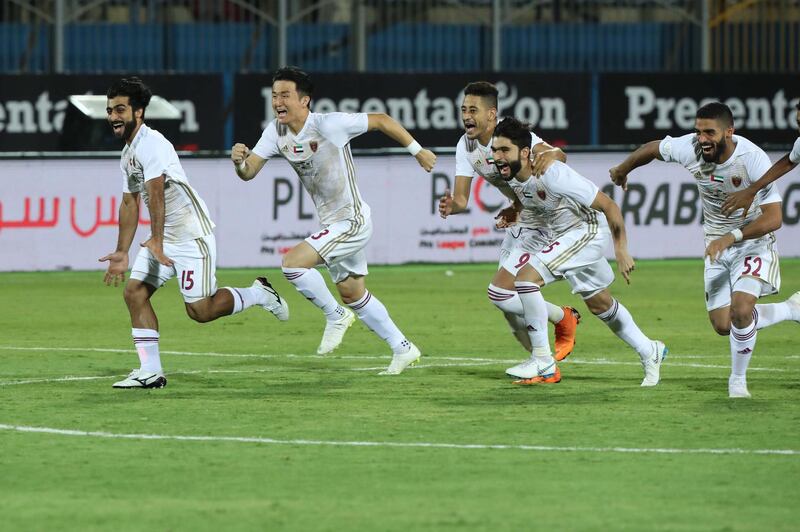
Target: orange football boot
542,379
565,333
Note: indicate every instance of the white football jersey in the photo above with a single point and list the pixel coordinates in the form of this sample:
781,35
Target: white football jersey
560,199
794,155
715,181
150,156
473,159
320,154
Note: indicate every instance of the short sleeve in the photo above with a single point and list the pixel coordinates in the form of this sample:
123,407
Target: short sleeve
678,149
155,158
769,194
267,145
341,128
463,166
535,139
757,164
562,180
125,188
794,155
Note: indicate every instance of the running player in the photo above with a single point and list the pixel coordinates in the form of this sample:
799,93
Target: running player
318,148
181,241
742,199
473,158
741,257
582,220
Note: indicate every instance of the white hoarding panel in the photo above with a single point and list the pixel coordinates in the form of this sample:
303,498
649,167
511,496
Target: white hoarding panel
57,214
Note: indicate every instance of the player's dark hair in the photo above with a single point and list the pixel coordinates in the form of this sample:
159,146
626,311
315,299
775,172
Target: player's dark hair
798,104
483,89
302,81
716,111
518,133
134,88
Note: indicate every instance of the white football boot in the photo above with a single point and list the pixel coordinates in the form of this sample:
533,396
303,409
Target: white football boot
531,368
523,368
652,363
737,387
275,303
334,332
401,361
139,378
794,304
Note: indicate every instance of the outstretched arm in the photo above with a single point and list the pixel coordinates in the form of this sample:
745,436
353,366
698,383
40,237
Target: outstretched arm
616,223
643,155
744,198
394,130
128,222
771,219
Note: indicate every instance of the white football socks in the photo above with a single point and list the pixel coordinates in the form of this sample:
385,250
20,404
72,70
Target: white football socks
146,342
375,316
773,313
743,342
535,312
244,298
310,283
621,323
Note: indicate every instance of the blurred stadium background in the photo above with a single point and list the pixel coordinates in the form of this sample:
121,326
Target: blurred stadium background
590,75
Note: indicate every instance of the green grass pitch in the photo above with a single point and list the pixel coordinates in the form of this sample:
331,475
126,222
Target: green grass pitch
450,445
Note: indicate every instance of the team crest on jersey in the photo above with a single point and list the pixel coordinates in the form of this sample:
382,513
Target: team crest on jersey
736,180
541,194
313,146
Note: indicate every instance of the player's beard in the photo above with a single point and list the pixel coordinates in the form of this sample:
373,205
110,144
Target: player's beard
514,167
719,148
128,130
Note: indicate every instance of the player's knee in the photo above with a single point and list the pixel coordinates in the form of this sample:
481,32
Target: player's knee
741,316
135,294
721,328
498,296
599,303
198,313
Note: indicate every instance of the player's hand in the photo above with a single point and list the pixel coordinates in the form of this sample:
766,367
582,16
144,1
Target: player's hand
542,161
117,266
446,204
426,159
506,217
239,153
157,250
741,199
716,247
619,177
625,264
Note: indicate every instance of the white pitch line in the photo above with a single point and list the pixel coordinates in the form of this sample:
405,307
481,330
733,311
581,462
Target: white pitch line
427,445
99,377
489,361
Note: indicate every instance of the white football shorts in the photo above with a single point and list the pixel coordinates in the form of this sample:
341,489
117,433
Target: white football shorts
748,258
341,245
195,267
577,256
